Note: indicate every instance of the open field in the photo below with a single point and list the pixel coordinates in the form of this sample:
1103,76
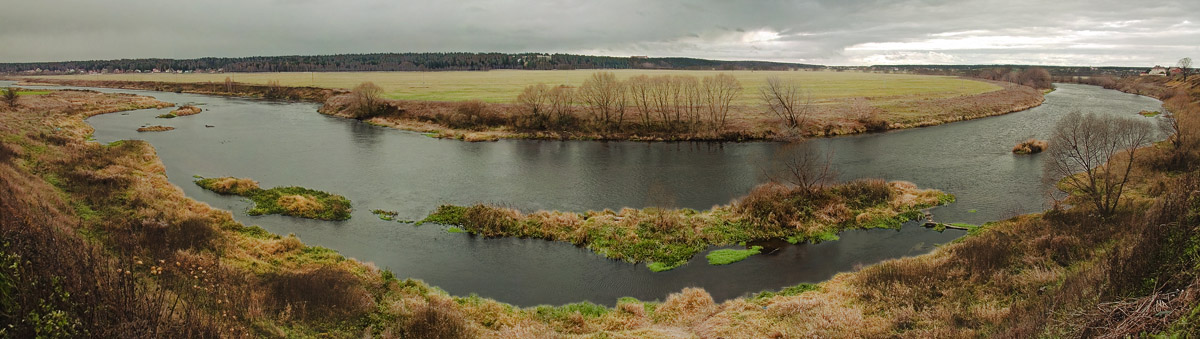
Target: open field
437,102
504,85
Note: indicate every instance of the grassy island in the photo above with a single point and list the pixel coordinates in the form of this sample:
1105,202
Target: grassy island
667,238
294,201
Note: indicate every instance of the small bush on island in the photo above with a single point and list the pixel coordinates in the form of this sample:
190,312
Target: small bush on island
1030,146
186,110
665,239
292,201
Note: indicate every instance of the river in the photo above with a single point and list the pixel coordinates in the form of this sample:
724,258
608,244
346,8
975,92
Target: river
284,144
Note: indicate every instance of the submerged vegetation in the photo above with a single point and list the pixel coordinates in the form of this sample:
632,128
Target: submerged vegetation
293,201
155,128
667,238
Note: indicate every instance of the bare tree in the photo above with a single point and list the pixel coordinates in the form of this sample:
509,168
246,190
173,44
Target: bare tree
10,97
560,103
1095,156
641,93
719,93
605,97
1185,66
689,99
787,100
366,100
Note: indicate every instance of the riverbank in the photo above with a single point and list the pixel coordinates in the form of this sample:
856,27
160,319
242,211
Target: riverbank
667,238
747,121
103,210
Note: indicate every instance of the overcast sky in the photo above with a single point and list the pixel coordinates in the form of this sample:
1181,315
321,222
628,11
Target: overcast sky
830,32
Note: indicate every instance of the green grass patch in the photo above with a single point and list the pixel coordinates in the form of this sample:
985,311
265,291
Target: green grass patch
20,93
1150,114
446,215
662,266
787,291
455,229
292,201
729,256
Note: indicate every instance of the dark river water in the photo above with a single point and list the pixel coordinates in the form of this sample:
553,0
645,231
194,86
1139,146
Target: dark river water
380,168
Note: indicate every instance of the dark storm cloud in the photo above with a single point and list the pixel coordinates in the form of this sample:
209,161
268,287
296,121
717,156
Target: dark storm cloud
827,32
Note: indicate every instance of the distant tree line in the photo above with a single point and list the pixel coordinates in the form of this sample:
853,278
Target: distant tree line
394,62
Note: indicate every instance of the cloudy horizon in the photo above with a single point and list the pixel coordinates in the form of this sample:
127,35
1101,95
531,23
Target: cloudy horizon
828,32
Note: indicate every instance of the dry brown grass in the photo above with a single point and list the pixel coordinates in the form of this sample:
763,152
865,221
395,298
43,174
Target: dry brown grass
186,110
235,186
1030,146
299,204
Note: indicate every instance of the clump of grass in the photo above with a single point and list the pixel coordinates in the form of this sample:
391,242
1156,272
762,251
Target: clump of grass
385,214
186,110
1030,146
293,201
455,229
1150,114
155,128
166,116
729,256
229,185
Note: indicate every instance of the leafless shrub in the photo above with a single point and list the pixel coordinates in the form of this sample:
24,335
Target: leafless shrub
809,169
719,92
367,101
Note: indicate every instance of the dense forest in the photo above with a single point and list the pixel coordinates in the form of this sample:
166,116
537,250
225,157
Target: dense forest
973,70
391,62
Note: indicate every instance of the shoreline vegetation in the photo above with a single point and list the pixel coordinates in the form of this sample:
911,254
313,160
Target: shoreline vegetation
155,128
291,201
98,243
664,239
668,106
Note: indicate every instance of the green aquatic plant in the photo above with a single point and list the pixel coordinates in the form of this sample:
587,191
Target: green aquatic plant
729,256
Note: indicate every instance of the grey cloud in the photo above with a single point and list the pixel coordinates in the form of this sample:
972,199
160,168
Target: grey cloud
823,31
